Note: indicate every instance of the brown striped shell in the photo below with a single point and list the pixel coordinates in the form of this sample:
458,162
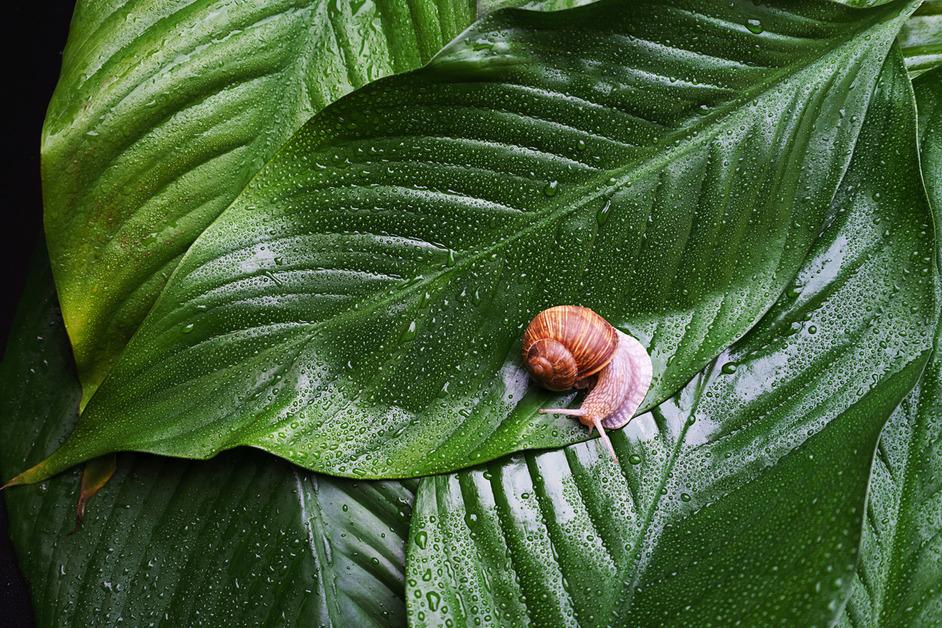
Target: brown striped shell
573,347
564,345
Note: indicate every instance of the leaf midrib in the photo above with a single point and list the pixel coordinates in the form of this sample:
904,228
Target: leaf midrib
626,175
632,559
314,529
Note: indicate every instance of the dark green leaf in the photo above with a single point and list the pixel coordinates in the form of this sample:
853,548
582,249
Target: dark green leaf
739,501
921,38
166,109
899,575
242,540
357,310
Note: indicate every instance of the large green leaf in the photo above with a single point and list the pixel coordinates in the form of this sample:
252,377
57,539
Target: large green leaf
166,109
241,540
899,575
357,309
739,501
921,38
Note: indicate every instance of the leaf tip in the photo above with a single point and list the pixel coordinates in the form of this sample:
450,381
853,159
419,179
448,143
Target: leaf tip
16,480
36,473
95,475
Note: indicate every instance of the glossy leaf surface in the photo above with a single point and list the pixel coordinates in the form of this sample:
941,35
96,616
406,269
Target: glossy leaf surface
358,309
244,539
489,6
739,501
166,109
899,575
921,38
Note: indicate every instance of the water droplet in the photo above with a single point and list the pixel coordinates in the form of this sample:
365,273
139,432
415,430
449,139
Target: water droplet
421,539
409,334
602,215
754,26
551,188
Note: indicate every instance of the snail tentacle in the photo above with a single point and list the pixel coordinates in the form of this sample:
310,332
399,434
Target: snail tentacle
604,437
566,411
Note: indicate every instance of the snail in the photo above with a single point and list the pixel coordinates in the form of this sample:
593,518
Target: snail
570,346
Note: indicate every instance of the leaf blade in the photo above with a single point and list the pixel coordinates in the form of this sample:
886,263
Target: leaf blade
163,113
739,500
921,38
304,309
898,573
244,538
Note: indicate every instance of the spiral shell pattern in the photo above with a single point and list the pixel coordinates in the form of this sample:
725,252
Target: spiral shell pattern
567,343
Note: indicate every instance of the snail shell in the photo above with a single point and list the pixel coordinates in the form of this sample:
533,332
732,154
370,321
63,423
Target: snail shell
566,344
569,346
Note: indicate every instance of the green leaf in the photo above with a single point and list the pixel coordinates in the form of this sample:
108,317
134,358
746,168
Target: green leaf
899,576
489,6
739,501
357,310
863,3
921,38
929,102
243,539
166,109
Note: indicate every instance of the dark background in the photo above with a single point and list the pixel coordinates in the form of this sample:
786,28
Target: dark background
35,33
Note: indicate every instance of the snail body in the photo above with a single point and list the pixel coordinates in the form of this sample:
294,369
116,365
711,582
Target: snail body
569,346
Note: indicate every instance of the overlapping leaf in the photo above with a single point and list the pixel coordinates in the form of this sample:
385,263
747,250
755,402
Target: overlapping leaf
244,539
163,113
921,38
104,161
739,501
899,574
357,310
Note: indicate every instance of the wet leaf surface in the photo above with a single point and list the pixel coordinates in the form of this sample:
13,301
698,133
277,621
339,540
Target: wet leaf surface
357,310
245,539
740,500
899,573
166,109
921,38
